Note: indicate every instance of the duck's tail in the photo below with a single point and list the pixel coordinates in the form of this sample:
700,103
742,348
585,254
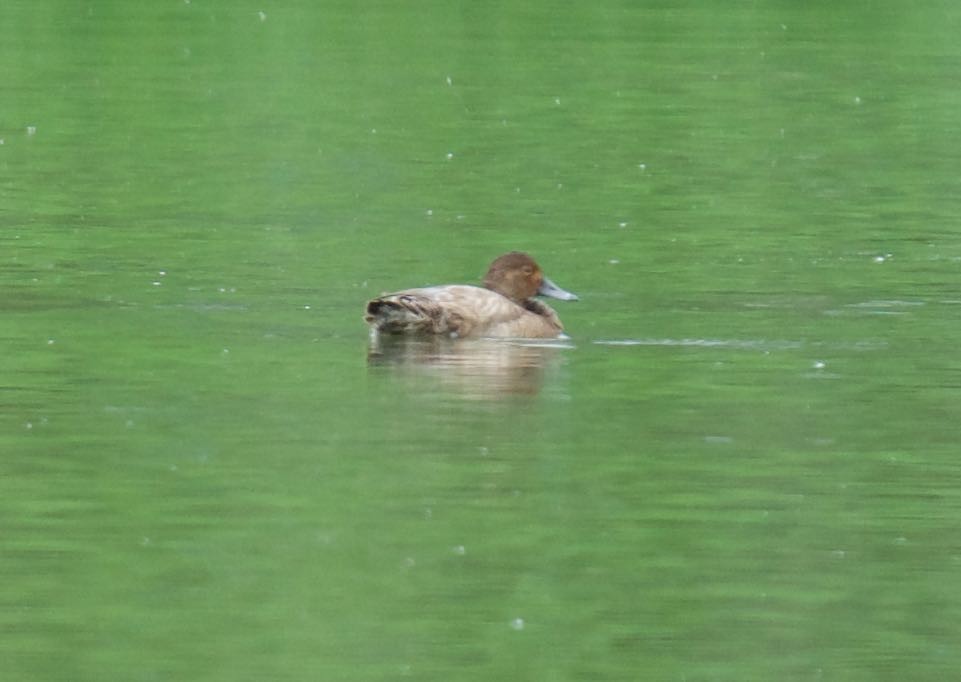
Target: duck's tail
403,314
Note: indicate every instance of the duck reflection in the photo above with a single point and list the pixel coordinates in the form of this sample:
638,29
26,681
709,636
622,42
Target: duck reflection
480,369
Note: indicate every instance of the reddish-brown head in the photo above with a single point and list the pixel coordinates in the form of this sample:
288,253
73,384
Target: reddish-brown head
516,276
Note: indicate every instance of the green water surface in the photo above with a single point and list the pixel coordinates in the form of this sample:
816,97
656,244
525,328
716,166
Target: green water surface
743,465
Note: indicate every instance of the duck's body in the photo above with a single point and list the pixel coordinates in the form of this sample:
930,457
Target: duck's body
505,308
461,310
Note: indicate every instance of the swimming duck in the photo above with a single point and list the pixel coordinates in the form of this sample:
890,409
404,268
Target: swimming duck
505,306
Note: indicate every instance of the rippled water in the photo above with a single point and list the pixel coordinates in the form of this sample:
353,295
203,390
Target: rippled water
741,465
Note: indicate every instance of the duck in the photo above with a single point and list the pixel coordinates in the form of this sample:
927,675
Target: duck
504,307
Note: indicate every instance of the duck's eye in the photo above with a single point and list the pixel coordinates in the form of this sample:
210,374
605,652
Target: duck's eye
528,270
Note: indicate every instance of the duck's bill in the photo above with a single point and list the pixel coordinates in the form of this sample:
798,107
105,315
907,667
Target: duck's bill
548,288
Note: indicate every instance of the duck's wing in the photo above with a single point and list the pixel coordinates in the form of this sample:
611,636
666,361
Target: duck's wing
456,310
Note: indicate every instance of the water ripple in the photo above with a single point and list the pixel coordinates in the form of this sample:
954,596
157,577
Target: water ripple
744,344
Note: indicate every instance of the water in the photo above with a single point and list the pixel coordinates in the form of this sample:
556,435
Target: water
741,465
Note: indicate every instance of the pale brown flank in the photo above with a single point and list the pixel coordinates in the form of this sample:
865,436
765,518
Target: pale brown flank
505,307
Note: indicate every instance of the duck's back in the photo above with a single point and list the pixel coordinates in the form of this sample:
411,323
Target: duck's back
460,310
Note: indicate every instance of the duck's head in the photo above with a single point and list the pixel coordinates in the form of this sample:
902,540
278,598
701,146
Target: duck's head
516,276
